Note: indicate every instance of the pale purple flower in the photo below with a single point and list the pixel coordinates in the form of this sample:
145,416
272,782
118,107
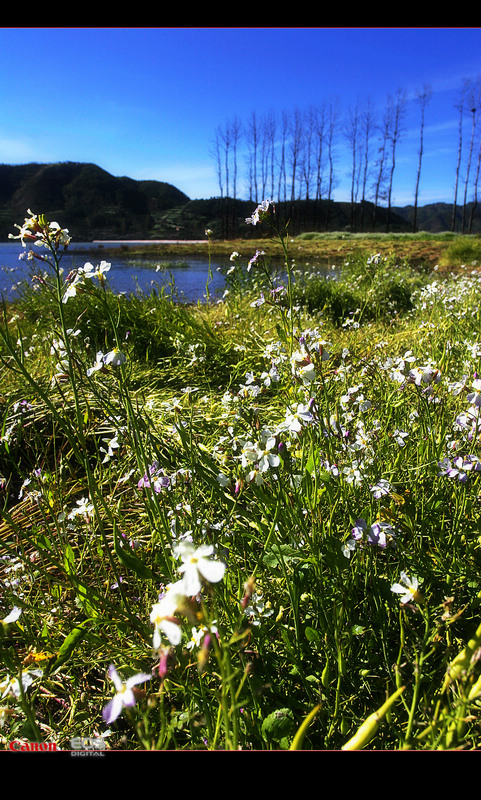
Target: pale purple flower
125,696
255,258
259,213
154,479
459,467
359,529
452,471
379,533
475,397
382,487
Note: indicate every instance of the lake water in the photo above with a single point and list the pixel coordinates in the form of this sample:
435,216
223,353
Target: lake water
125,275
128,274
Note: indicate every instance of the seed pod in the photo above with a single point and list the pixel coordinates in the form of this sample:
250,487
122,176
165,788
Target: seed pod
462,661
325,675
370,725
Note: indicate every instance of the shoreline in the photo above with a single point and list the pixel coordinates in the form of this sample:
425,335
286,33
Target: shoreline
142,242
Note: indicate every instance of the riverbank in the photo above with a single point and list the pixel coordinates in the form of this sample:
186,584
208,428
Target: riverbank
427,249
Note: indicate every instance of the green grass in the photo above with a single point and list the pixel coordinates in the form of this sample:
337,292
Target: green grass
271,418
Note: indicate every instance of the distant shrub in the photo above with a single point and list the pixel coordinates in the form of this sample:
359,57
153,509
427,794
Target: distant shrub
368,287
464,250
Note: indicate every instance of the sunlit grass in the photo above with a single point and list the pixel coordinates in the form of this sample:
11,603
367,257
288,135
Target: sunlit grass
319,459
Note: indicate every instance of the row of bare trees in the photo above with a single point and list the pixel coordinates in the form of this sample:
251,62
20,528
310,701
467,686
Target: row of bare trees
468,105
295,156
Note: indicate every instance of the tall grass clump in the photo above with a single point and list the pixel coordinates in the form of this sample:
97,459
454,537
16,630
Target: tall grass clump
365,288
252,524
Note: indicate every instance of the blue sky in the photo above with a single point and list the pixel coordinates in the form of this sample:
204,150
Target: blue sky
146,102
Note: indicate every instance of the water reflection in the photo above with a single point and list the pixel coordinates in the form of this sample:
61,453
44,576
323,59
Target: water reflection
185,278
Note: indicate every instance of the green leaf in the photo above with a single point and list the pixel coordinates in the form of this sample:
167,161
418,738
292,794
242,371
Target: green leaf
130,561
70,643
312,635
278,725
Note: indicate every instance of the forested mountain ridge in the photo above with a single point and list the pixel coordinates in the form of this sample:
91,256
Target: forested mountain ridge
93,204
86,199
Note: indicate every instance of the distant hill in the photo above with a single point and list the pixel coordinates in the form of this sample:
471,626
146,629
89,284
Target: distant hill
437,217
84,198
93,204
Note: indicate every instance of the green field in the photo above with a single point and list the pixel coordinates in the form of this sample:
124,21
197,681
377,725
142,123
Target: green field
250,524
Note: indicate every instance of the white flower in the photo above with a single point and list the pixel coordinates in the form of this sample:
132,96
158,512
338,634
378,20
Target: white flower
400,436
15,613
381,488
249,454
258,214
353,473
348,548
256,476
266,457
125,694
408,588
71,290
99,363
36,229
258,610
197,634
12,685
426,374
223,479
84,508
115,357
96,272
112,445
162,615
294,421
197,566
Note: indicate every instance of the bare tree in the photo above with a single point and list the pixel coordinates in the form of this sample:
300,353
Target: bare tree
236,137
216,153
332,127
460,106
267,155
475,190
319,131
423,98
395,133
294,149
351,132
282,180
253,145
367,127
380,176
307,158
473,102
